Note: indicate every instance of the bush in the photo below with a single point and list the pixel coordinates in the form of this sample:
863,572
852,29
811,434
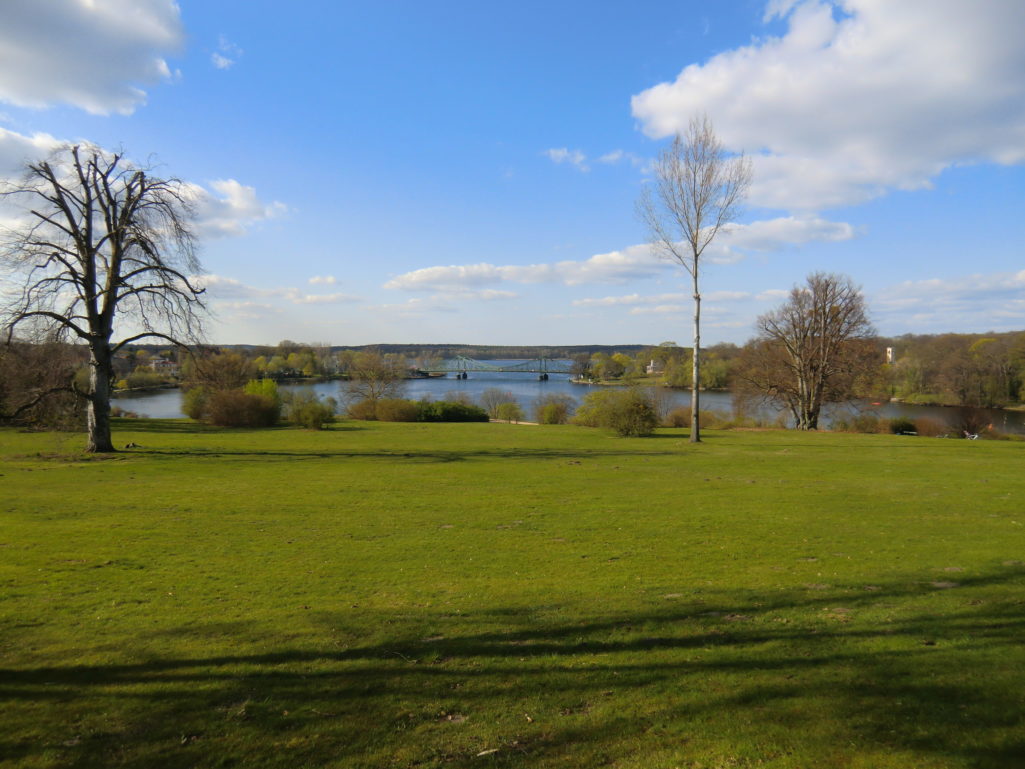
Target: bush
971,421
447,411
306,409
902,426
627,412
678,417
860,423
235,408
266,388
492,398
510,411
931,427
553,409
194,402
396,410
365,410
143,378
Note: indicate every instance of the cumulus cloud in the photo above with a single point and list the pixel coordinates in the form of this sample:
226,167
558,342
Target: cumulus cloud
18,149
771,235
631,263
227,209
612,267
580,161
221,287
226,55
977,302
92,54
661,302
575,158
859,97
230,208
322,280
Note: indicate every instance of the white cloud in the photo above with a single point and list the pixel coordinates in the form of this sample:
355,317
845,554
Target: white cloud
966,303
631,263
771,235
227,209
226,55
575,158
230,209
859,97
322,280
613,267
621,156
222,287
18,149
297,297
91,54
579,159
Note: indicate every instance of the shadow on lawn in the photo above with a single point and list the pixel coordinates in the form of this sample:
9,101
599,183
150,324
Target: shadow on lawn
405,456
731,682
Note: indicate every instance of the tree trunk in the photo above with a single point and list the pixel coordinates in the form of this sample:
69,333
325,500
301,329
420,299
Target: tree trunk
695,383
101,369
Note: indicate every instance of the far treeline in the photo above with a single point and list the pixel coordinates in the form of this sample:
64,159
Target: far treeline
986,370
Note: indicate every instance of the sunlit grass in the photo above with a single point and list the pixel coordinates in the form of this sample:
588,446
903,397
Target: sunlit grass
383,595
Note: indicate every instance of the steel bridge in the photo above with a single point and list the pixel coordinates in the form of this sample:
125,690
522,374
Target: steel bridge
461,366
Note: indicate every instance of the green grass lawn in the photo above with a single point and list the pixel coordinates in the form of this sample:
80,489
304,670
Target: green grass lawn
491,595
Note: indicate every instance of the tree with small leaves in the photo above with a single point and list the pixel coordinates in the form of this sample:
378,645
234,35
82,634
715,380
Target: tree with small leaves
696,193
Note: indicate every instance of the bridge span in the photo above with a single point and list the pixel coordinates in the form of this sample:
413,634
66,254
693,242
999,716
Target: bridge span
461,366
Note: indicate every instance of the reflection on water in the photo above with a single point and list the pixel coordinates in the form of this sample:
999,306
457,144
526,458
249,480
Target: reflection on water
526,389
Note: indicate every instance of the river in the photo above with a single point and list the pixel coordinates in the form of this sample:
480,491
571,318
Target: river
526,389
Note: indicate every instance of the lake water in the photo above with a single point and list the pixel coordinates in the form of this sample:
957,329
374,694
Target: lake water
527,389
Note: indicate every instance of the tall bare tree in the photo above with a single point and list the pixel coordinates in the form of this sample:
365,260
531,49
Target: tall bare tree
697,192
101,247
814,349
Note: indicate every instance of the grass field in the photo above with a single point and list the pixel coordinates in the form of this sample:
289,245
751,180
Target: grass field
490,595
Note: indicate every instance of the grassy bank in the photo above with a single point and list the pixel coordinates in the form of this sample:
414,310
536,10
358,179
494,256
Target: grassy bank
423,595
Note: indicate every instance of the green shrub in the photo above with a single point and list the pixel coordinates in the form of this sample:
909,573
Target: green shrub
235,408
365,410
194,402
627,412
447,411
266,388
859,423
396,410
510,411
306,409
678,417
553,409
902,426
143,378
492,398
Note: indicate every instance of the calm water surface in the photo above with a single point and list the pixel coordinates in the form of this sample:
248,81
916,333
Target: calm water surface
526,389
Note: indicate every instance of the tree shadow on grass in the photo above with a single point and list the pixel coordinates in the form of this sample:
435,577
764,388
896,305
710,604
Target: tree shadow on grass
789,679
180,426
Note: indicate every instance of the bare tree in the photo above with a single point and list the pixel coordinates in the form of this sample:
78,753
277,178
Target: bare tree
101,248
374,377
814,349
697,192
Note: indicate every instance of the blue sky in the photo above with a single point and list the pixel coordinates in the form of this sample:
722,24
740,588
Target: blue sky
467,172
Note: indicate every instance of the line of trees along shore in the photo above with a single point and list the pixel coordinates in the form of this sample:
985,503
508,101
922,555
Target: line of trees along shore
986,370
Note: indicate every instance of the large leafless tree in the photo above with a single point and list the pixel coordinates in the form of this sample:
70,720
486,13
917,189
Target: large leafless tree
812,350
697,192
102,251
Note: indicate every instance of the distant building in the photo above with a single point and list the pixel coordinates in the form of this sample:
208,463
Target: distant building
164,366
655,367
